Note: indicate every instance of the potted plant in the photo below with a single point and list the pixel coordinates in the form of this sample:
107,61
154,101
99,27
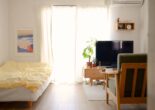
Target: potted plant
88,52
94,62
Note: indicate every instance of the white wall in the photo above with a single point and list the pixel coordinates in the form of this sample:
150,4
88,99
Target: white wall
144,28
129,13
22,16
26,14
151,56
3,30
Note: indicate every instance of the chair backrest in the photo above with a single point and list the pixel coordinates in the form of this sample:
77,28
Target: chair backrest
132,79
130,58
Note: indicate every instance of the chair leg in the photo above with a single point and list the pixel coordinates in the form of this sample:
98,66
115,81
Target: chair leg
118,105
107,97
104,85
107,94
117,94
106,88
91,81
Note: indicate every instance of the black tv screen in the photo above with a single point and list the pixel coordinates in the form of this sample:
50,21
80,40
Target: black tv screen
107,51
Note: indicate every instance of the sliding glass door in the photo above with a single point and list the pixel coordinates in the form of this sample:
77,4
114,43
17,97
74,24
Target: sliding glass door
63,37
72,26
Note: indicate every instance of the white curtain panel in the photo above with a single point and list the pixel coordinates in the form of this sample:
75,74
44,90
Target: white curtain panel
63,42
66,29
46,39
92,24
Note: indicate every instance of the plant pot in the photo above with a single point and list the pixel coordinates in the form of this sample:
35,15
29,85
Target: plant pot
89,64
93,65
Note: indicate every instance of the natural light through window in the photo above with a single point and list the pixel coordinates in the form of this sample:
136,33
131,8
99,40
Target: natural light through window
71,27
63,37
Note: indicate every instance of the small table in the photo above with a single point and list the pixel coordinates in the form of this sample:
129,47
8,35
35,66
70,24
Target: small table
94,73
108,73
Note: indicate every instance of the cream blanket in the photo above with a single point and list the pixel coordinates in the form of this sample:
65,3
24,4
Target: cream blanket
24,74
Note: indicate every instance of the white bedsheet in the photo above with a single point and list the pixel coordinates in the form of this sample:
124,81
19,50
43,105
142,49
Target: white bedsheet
22,94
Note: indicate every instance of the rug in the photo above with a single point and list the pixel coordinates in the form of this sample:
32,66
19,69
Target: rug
94,92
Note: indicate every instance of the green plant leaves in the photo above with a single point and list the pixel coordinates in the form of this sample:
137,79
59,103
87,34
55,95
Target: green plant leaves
88,52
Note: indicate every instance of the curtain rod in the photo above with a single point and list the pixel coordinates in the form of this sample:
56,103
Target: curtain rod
63,5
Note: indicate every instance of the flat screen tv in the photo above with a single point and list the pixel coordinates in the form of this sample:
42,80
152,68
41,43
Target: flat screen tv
107,51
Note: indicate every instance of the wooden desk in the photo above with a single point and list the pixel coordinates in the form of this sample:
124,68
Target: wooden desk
111,71
94,73
98,73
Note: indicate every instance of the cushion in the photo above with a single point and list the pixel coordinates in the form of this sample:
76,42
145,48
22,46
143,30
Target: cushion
130,58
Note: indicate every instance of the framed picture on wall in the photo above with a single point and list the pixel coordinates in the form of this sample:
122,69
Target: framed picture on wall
25,41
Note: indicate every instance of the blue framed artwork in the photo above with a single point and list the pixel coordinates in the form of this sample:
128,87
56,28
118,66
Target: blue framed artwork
25,41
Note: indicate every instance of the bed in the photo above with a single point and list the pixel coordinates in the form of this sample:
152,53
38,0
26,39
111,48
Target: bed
23,81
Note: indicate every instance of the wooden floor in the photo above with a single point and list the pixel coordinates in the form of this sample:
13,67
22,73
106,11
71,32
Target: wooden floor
66,97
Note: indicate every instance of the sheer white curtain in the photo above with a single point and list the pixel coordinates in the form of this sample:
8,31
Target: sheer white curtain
68,28
46,39
63,42
91,24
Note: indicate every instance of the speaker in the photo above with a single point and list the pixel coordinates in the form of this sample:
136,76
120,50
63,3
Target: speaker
127,47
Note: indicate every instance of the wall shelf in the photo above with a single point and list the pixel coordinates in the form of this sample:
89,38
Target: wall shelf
125,25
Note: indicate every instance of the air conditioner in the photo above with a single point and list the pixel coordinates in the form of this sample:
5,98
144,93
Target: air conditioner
127,2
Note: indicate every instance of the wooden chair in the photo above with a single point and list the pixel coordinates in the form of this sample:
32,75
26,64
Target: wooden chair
129,84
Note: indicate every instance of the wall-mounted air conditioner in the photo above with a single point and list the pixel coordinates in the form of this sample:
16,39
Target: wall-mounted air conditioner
127,2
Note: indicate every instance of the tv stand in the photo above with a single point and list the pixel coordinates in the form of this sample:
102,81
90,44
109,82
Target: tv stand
95,73
111,66
108,66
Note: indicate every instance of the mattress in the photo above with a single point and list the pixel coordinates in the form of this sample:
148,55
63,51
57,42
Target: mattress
30,75
22,94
